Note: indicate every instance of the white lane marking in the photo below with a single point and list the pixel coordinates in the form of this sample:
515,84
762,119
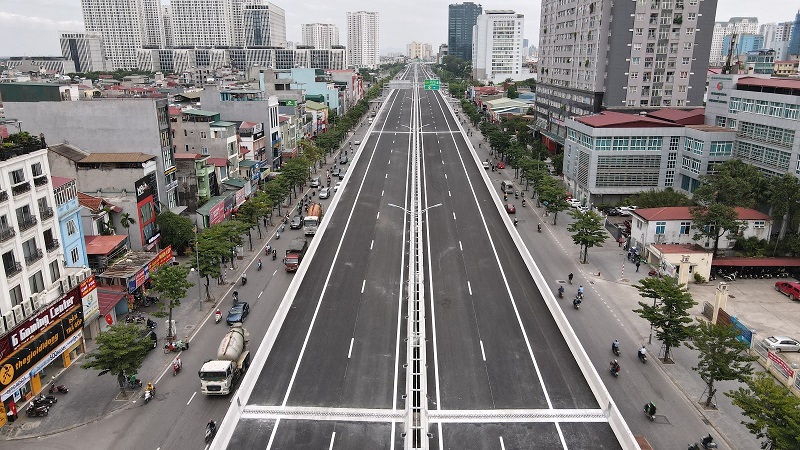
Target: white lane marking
390,161
371,243
379,216
387,176
333,436
454,215
273,273
191,398
259,294
469,286
445,176
502,444
449,194
363,283
460,247
382,193
442,162
350,352
483,353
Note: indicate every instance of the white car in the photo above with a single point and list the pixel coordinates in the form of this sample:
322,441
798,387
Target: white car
324,193
574,203
582,208
626,210
336,188
486,165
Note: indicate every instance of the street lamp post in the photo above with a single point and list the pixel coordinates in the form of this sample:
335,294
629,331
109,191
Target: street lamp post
197,264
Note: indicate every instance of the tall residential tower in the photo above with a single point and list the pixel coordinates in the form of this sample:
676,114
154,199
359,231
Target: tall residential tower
363,39
264,26
320,35
736,25
497,46
461,18
121,24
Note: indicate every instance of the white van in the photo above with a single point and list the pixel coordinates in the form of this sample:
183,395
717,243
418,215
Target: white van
507,187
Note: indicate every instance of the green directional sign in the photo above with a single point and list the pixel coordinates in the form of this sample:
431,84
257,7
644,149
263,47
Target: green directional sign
431,85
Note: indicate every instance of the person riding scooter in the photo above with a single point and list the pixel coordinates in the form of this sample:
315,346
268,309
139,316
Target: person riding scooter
244,279
615,368
576,302
259,263
211,430
561,292
615,347
217,316
569,277
515,221
523,202
643,354
274,254
539,227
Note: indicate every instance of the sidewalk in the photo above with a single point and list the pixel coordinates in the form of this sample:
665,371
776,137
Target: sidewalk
77,408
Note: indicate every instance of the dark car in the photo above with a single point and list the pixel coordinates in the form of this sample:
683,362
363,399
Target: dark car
296,223
237,313
611,211
510,208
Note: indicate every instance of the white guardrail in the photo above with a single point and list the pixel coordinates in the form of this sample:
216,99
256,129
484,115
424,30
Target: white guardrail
615,419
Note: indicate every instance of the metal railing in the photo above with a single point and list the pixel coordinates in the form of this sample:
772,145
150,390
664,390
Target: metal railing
13,269
7,233
27,223
21,188
46,212
40,180
52,245
33,257
3,196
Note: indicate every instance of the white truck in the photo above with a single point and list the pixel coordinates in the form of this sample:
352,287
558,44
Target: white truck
218,376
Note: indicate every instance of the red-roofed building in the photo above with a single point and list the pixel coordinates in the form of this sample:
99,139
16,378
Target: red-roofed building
680,116
613,119
673,225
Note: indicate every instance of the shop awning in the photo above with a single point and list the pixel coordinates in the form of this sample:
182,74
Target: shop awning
109,296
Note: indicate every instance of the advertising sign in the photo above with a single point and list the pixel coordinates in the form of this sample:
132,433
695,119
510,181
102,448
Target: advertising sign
91,305
28,329
778,361
163,257
14,373
217,213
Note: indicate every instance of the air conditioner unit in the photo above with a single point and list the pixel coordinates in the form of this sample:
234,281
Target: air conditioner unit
39,301
72,280
27,307
3,328
19,314
8,319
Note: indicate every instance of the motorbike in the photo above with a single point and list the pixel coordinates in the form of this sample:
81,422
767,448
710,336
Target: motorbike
176,367
539,228
274,255
615,349
614,369
706,444
217,316
211,431
561,292
642,357
515,221
36,411
61,389
523,202
650,411
576,303
244,280
259,264
134,383
151,324
47,400
149,394
176,346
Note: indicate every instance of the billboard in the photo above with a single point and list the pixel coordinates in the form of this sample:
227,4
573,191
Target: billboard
146,200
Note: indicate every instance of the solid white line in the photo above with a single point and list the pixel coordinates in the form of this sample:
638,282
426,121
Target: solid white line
259,294
502,444
363,283
382,193
350,352
273,273
379,216
469,286
454,215
191,398
460,247
387,176
445,176
333,436
371,244
390,161
483,353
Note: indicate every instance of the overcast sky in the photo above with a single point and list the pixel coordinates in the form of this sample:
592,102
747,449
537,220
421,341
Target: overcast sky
30,27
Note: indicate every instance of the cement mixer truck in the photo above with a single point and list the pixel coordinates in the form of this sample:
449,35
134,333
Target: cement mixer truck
313,219
218,376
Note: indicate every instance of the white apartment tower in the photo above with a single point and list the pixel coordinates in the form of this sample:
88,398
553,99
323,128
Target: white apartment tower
203,23
85,49
653,54
497,46
738,25
363,39
768,31
264,26
166,15
320,35
419,50
153,24
121,24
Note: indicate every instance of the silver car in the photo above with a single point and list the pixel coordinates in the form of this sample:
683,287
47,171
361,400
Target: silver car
324,193
779,344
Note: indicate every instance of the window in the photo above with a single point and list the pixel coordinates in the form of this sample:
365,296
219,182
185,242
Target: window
759,224
691,16
639,31
204,150
74,255
635,60
9,262
690,31
146,213
71,228
721,149
36,282
55,271
16,295
685,60
637,46
687,45
721,121
634,75
16,176
203,135
684,75
674,143
661,227
36,169
685,227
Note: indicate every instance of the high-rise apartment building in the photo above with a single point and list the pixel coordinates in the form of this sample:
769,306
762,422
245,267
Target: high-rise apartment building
653,54
736,25
460,20
264,26
166,16
203,23
153,24
363,39
419,50
121,24
320,35
794,40
497,46
768,31
85,49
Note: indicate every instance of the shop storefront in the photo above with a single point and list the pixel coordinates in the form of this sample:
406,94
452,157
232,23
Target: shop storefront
40,347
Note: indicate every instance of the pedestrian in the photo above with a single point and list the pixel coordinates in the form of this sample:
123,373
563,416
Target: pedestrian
637,265
265,220
620,241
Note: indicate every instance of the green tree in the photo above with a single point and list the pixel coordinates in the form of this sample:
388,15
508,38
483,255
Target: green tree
670,317
511,91
212,251
177,231
713,221
558,163
172,283
783,194
553,196
588,231
126,221
773,410
659,198
723,356
120,350
734,183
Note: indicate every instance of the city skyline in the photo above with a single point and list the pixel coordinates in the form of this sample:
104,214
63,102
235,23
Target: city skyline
30,27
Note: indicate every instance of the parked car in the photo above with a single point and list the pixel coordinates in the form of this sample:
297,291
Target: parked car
343,159
501,165
238,313
611,211
296,223
626,210
510,208
779,344
582,208
324,193
574,203
790,288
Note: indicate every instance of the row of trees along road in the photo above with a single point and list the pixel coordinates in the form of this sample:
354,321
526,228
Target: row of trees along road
121,350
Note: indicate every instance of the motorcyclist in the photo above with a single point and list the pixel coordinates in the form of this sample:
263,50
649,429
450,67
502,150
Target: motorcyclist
218,315
570,277
259,263
515,221
708,442
561,291
576,301
244,279
615,345
523,202
211,426
615,366
539,226
150,386
580,291
650,408
178,362
642,352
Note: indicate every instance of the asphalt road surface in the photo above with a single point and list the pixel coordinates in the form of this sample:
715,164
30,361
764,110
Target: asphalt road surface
335,376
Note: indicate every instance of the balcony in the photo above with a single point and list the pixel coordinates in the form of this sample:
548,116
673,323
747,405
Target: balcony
14,269
27,223
40,181
52,246
3,196
21,188
46,213
7,233
33,257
